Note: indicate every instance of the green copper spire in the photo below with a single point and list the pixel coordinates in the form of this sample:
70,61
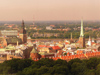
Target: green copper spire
81,33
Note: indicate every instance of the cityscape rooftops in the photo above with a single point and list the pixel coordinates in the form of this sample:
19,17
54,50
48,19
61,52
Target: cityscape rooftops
13,40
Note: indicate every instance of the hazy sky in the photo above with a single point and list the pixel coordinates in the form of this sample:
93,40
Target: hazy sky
16,10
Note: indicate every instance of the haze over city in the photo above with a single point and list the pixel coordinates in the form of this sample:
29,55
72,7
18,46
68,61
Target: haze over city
49,10
49,37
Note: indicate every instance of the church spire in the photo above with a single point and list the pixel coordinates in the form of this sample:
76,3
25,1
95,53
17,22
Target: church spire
23,28
23,24
81,33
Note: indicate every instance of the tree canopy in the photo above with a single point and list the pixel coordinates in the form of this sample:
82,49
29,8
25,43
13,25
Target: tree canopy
47,66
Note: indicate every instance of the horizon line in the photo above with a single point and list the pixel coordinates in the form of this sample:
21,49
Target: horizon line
47,20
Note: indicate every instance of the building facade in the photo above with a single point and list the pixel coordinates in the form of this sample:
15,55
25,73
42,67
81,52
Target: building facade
8,33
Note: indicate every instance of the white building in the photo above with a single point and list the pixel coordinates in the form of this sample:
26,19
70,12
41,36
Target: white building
9,32
49,28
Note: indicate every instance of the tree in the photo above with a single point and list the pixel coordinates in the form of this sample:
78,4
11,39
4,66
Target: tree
98,69
15,65
92,63
78,68
61,69
90,72
42,70
61,62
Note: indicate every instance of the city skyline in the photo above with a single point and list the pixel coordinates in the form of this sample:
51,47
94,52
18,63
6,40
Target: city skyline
49,10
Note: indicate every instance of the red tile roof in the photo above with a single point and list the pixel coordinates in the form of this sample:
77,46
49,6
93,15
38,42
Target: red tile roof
66,42
93,43
48,46
56,48
44,46
41,45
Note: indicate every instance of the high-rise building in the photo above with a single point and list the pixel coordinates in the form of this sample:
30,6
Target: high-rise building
81,38
22,33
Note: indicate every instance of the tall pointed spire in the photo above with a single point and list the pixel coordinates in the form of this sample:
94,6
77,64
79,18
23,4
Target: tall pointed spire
81,38
23,24
23,34
23,28
81,33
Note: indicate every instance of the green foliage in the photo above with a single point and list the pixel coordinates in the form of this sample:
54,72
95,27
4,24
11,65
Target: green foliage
78,68
92,63
98,69
14,65
50,67
90,72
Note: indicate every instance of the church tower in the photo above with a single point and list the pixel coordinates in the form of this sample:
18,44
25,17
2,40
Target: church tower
81,38
23,34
